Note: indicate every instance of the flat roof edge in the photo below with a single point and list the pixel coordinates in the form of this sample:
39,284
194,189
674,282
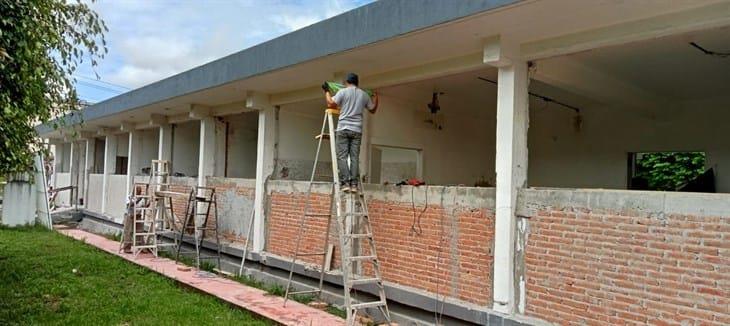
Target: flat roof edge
378,21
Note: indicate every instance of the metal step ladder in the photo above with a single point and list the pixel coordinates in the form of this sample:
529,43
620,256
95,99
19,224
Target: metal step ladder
164,215
143,235
201,204
353,225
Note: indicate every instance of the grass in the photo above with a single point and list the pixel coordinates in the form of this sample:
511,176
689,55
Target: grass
51,279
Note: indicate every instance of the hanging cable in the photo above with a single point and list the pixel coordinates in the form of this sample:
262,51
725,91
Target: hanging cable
416,228
709,52
542,97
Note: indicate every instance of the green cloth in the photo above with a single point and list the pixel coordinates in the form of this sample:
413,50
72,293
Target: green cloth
336,87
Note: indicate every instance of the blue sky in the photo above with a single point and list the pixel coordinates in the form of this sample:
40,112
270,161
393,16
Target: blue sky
153,39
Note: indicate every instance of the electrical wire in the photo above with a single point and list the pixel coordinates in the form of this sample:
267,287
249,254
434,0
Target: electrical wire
101,81
416,228
542,97
709,52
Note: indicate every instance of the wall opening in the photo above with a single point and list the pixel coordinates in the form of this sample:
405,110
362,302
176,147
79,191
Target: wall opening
670,171
393,165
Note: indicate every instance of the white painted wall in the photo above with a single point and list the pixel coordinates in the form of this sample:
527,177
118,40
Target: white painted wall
559,156
116,197
185,148
63,180
242,139
93,202
148,148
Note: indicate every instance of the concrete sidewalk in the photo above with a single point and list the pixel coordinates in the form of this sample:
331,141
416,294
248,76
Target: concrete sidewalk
248,298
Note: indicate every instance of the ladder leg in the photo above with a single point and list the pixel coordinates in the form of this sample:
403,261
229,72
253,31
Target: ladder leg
183,228
248,240
307,199
326,242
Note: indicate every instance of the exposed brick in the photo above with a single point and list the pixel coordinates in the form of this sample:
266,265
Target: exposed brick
451,256
638,270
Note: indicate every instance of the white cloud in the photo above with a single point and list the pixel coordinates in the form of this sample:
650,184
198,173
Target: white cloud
152,40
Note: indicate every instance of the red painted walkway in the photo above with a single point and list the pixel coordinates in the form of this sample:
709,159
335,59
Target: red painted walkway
252,299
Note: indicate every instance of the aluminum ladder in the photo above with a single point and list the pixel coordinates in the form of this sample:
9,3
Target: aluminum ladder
350,210
201,204
159,189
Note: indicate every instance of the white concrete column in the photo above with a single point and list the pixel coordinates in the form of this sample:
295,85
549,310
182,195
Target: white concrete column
73,173
89,166
207,157
164,149
265,152
511,168
110,163
133,153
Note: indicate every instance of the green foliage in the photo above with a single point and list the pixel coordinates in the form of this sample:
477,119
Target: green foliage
669,170
50,279
42,42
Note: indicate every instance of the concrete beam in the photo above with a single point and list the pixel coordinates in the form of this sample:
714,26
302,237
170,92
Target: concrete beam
110,163
199,112
155,120
206,158
265,163
89,166
400,76
511,168
133,153
164,148
498,53
231,108
127,126
705,17
257,101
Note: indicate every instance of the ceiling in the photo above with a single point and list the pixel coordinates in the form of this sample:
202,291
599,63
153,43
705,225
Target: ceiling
668,67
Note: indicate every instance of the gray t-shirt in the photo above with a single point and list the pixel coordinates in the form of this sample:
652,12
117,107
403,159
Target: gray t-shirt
352,101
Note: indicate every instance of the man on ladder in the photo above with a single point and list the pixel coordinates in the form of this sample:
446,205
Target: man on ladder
344,146
352,101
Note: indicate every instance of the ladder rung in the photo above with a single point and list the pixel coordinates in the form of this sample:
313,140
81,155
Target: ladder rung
312,254
206,228
366,305
363,257
165,244
303,292
144,233
359,235
359,281
144,247
323,136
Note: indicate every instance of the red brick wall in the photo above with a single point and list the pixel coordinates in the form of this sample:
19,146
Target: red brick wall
599,268
452,255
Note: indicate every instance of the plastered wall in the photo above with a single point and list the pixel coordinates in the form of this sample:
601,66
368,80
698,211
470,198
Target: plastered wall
561,154
242,141
185,148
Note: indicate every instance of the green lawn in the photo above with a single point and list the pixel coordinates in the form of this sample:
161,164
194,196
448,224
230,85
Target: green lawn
38,286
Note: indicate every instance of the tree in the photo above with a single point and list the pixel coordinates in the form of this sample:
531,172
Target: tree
42,42
669,170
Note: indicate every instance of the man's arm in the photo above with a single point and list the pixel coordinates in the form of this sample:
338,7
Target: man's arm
373,105
330,101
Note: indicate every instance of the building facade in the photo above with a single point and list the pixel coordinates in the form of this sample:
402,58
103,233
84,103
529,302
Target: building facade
527,213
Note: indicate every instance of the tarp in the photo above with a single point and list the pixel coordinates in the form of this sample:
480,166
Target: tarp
336,87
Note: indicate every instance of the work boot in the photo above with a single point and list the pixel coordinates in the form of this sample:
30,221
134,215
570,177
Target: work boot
353,187
344,187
